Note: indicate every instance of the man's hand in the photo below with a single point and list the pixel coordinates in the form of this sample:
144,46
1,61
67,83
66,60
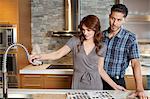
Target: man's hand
139,94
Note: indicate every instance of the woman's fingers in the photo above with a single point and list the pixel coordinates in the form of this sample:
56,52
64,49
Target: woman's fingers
121,88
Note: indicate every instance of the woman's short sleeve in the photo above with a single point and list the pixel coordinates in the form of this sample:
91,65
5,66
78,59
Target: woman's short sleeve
103,50
72,42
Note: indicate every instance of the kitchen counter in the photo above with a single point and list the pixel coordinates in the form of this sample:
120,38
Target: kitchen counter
59,93
30,69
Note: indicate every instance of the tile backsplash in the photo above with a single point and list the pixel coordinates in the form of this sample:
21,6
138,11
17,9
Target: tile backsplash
48,15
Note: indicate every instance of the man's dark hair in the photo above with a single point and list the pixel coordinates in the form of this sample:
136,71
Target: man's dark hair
120,8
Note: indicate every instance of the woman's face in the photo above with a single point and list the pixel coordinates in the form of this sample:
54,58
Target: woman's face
88,33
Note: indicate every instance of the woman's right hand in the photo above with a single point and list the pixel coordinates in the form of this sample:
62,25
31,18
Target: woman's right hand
35,59
118,87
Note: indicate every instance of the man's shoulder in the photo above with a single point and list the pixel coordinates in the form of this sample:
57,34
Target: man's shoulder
130,34
104,31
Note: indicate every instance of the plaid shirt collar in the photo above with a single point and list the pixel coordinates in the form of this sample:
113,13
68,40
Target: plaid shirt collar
119,34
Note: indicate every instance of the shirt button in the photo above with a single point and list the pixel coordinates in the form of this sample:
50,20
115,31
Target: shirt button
117,77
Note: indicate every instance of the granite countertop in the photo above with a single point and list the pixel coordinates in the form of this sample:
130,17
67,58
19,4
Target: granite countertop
61,93
41,69
30,69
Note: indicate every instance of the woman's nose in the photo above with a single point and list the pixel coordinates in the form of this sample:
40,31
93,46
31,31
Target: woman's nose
85,32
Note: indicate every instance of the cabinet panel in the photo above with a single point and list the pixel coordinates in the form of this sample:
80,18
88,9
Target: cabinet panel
31,81
130,82
8,11
46,81
18,13
57,81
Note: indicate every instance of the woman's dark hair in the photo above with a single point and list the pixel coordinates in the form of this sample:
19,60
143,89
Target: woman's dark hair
120,8
91,22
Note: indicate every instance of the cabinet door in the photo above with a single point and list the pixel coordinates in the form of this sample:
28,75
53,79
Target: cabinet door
57,81
8,11
31,81
130,82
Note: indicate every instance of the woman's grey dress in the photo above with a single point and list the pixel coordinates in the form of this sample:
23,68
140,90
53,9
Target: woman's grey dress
86,75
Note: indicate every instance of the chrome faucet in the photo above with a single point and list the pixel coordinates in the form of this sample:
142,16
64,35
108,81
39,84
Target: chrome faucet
4,69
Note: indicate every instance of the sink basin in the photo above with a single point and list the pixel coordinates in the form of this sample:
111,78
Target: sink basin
18,96
60,67
35,96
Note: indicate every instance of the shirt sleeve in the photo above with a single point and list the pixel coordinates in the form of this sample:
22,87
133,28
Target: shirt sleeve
134,50
103,50
71,42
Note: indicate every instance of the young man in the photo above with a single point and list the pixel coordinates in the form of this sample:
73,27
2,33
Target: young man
122,48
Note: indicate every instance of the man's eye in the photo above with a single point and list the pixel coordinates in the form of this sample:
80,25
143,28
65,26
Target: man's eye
112,18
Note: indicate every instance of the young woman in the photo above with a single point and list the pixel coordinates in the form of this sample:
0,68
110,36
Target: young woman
88,56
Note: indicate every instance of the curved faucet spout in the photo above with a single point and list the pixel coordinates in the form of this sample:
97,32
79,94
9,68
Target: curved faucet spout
4,69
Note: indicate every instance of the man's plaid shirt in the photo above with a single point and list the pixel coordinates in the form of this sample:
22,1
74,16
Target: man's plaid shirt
120,50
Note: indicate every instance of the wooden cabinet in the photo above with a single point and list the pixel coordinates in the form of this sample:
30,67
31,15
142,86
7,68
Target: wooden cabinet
57,81
18,13
8,11
45,81
31,81
130,82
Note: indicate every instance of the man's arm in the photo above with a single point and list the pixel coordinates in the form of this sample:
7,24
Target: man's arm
138,79
137,74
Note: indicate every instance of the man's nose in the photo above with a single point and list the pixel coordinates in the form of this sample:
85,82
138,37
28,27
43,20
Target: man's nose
114,22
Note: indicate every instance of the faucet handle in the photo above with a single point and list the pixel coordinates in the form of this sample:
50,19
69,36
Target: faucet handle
36,62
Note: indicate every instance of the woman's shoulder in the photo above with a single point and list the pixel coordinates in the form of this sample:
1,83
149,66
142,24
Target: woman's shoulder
103,49
104,46
74,39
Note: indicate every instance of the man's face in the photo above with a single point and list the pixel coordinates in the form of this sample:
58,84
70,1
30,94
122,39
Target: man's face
116,19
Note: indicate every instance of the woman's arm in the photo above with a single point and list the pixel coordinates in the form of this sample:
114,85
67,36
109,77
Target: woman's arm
106,77
52,56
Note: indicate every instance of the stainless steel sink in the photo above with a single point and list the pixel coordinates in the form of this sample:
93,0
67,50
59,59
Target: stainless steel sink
35,96
18,96
60,67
